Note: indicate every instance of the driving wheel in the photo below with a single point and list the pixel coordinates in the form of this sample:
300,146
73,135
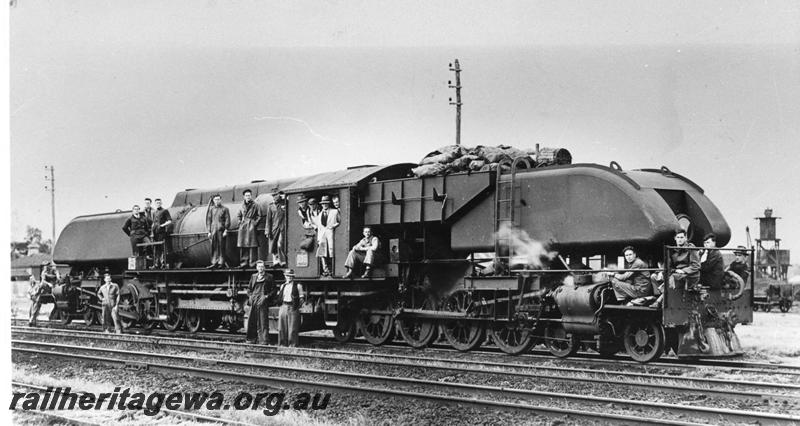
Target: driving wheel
559,342
644,341
418,332
464,335
377,326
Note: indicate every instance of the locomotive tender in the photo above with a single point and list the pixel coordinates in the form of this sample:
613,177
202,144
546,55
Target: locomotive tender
450,261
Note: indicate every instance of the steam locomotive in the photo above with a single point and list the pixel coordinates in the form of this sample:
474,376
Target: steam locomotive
451,264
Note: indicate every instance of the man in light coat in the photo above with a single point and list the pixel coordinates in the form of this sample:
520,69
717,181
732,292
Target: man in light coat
326,221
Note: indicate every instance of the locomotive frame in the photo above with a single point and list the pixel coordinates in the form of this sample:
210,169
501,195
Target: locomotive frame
430,282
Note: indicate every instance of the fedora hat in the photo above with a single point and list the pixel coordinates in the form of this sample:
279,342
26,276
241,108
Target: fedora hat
741,250
301,198
288,272
325,200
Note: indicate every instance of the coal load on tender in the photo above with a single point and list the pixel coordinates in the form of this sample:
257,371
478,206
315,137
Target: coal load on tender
457,158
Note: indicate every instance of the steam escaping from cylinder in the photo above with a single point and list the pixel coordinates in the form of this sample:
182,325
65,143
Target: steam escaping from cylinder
524,249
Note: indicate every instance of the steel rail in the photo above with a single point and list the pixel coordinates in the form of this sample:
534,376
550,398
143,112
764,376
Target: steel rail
226,336
746,366
60,418
711,413
176,413
324,354
280,382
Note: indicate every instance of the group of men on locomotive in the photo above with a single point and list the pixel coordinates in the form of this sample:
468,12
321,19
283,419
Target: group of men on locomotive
149,227
689,269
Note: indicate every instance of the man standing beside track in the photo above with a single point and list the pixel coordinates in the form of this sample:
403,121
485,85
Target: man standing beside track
49,277
261,287
218,219
109,298
291,296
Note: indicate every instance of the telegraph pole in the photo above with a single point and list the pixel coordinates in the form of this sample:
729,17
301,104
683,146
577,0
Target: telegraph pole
455,67
52,188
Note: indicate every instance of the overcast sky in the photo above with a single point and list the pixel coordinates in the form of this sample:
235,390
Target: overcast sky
134,99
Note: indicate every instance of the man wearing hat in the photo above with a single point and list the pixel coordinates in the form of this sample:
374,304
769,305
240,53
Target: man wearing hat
313,206
109,299
275,230
711,264
304,211
739,265
326,222
261,286
290,296
249,215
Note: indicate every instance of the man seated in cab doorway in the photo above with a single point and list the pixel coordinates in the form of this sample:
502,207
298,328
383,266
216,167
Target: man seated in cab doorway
631,284
363,252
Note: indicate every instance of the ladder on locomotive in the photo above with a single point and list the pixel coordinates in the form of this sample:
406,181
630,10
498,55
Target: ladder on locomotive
505,206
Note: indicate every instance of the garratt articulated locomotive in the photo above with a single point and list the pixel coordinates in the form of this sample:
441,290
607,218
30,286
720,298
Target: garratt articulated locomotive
450,261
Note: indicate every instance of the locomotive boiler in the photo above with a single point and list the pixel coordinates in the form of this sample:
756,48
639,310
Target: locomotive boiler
508,254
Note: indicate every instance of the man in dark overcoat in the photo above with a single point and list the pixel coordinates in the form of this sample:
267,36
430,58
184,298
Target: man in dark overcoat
137,227
218,220
276,223
259,292
685,263
162,225
712,267
148,211
249,215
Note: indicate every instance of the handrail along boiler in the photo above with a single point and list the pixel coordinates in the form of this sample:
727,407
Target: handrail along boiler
468,256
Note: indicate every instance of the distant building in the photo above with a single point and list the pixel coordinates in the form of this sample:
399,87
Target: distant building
23,267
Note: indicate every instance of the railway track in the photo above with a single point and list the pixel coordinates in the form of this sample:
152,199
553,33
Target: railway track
582,358
728,389
390,384
60,418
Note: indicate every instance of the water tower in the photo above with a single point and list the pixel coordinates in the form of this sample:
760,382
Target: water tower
771,261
